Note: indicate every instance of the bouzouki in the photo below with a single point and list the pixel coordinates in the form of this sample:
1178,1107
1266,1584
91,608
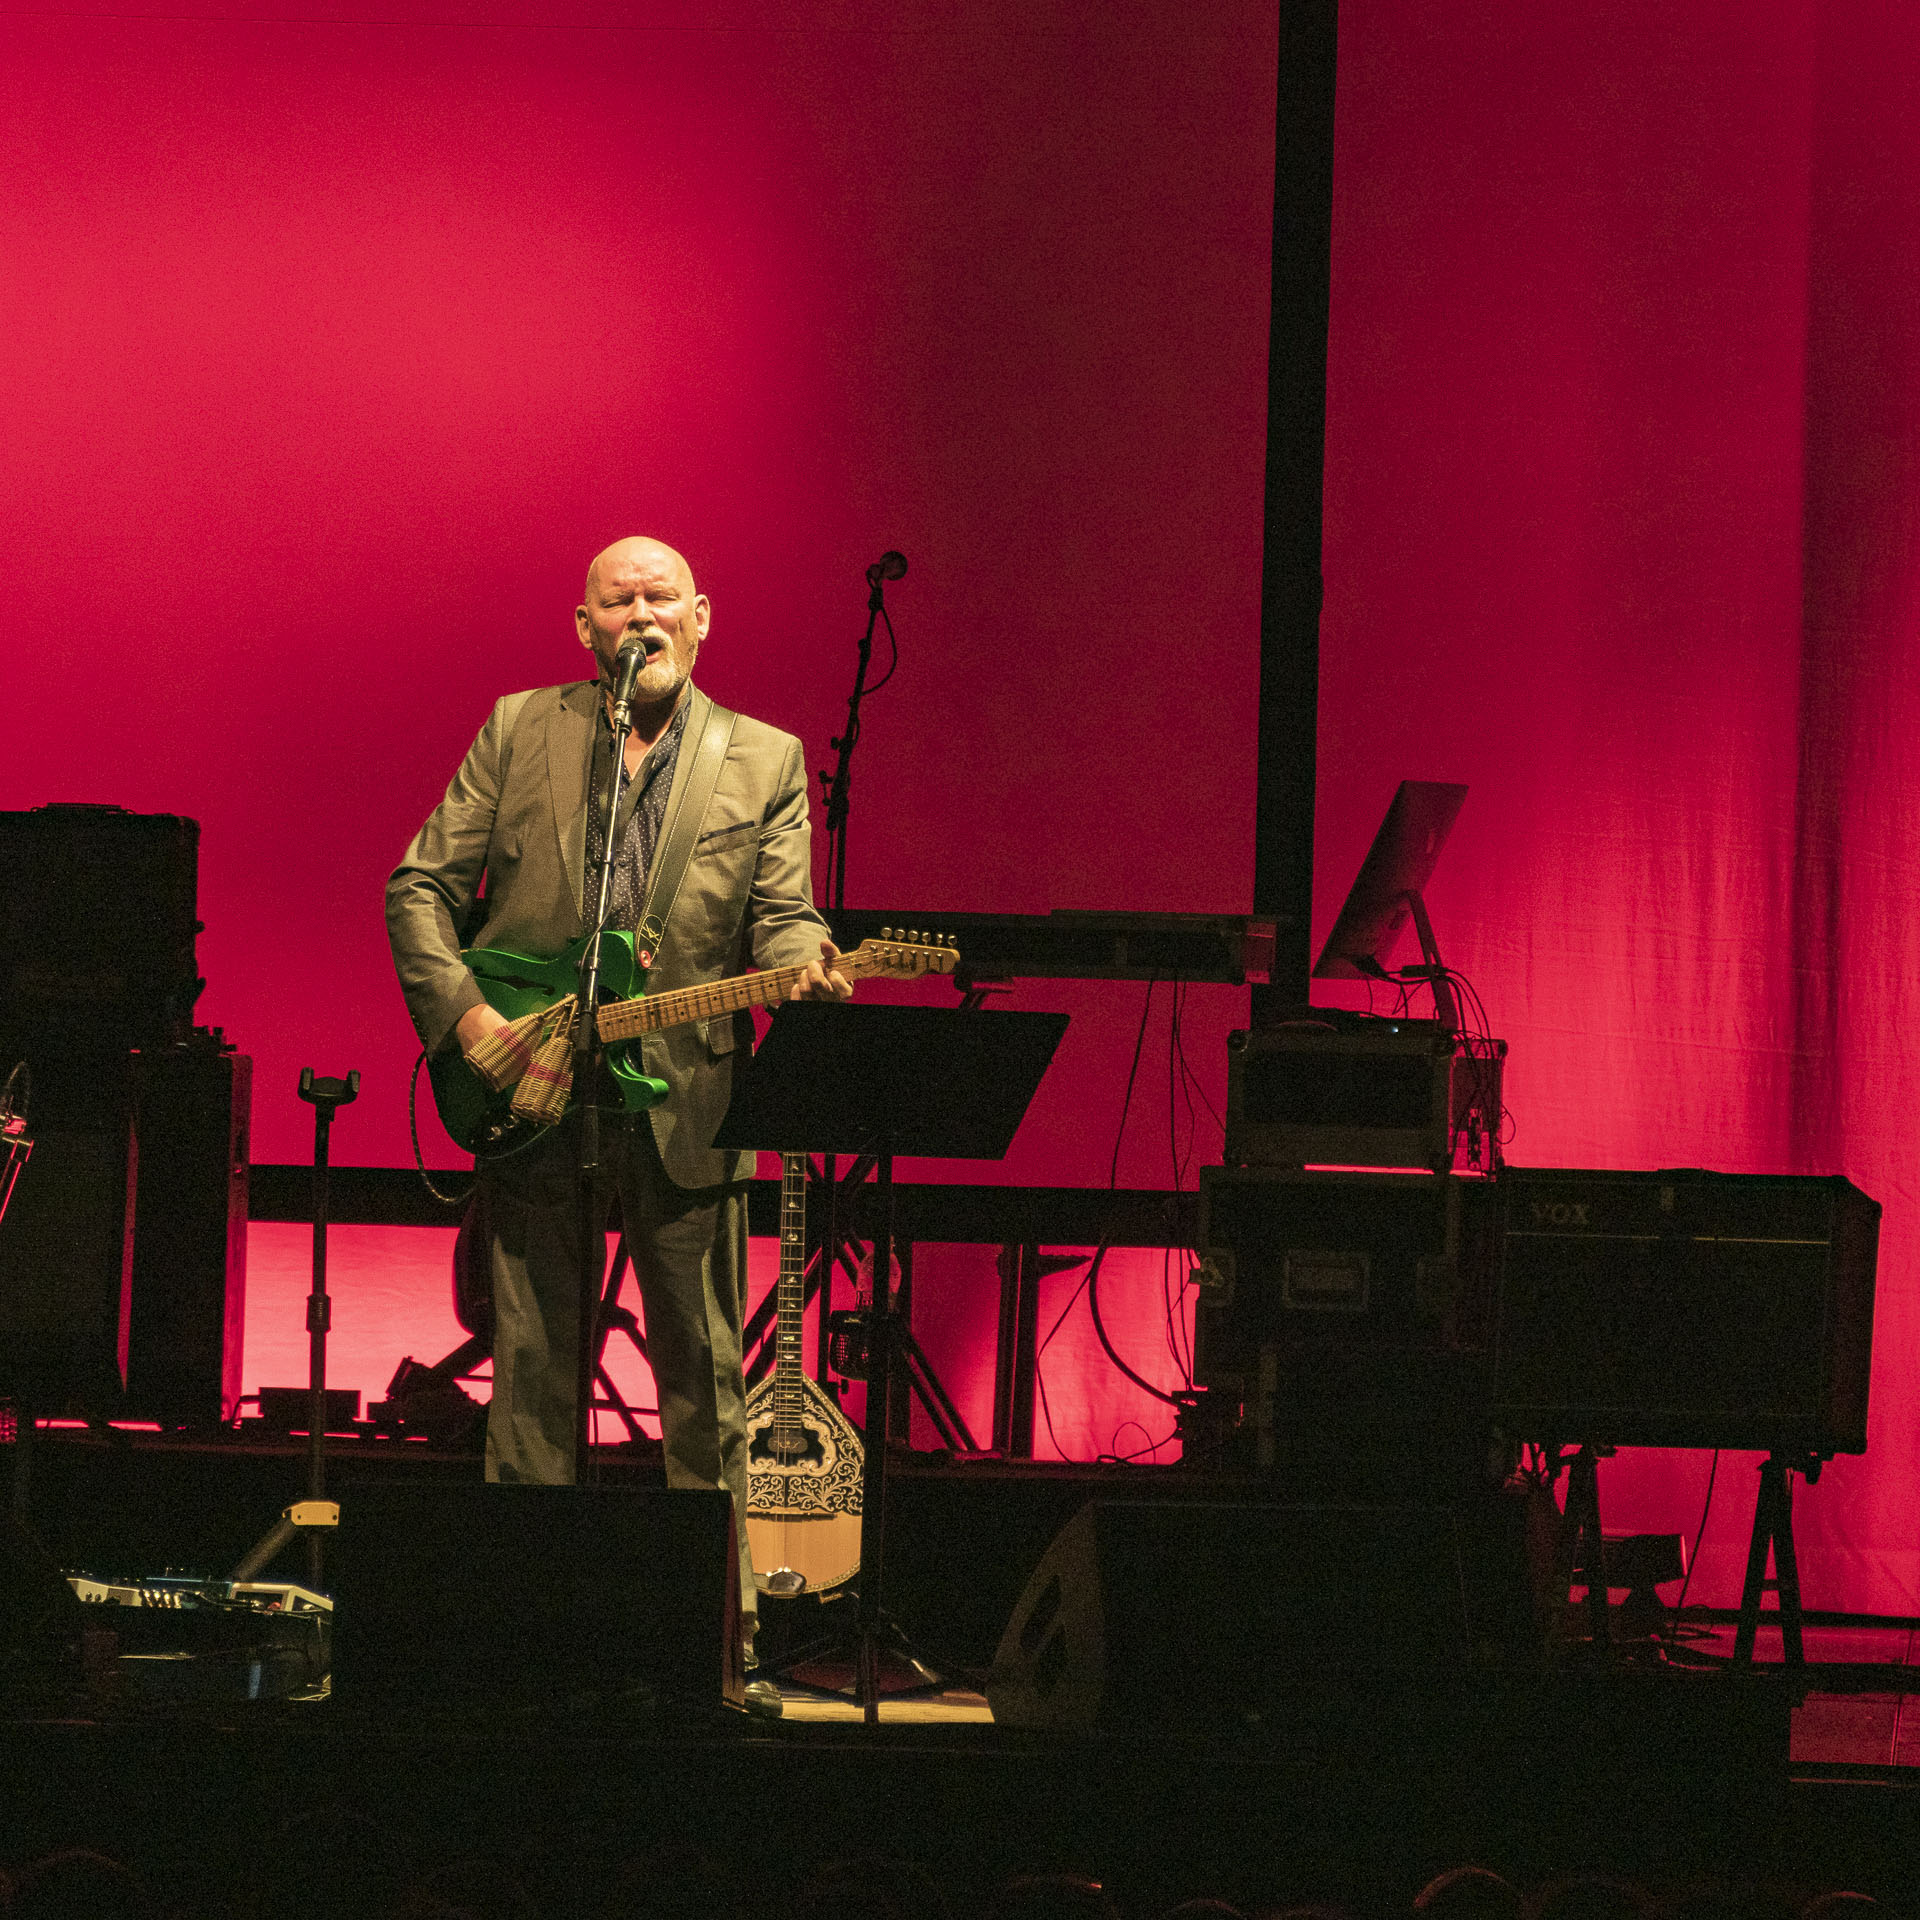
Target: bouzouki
479,1097
804,1458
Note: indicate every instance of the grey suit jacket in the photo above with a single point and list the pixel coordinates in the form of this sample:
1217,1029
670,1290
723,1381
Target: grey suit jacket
516,813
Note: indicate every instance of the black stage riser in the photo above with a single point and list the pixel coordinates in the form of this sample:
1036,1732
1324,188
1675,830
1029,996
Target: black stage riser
1359,1798
519,1595
963,1541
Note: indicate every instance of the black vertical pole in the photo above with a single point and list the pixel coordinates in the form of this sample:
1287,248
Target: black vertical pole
324,1096
873,1500
1296,465
319,1316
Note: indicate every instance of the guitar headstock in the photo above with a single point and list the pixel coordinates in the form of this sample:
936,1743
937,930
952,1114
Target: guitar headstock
905,955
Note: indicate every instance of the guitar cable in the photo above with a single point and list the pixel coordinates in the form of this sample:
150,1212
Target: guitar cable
533,1139
419,1159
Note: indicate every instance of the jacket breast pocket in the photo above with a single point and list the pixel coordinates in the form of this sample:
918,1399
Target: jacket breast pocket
713,897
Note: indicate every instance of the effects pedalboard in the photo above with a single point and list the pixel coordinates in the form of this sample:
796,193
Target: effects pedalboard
177,1639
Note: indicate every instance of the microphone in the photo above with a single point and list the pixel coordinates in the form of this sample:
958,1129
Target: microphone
890,566
627,667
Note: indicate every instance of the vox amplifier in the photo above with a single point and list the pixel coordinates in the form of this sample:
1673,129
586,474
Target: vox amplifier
1685,1309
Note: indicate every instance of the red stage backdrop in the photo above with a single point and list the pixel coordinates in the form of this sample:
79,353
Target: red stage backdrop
337,344
1624,424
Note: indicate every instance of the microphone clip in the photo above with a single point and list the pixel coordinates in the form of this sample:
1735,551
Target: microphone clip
628,666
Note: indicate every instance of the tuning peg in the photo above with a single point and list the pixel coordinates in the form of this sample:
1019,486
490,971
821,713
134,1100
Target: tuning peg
886,933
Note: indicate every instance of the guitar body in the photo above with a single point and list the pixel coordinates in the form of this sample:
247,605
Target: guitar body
477,1118
803,1491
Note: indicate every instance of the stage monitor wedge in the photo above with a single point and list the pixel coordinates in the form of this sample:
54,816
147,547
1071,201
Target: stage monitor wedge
1193,1617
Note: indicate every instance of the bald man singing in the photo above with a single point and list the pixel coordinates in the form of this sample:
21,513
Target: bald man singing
524,814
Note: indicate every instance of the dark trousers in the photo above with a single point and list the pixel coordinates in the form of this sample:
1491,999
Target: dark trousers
689,1254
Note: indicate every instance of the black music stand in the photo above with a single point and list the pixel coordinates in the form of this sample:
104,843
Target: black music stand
936,1082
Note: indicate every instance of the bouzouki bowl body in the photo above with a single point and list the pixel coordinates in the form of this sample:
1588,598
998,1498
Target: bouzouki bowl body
803,1513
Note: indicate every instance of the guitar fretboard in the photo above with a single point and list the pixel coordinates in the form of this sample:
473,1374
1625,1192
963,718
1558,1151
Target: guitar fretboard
788,1393
655,1012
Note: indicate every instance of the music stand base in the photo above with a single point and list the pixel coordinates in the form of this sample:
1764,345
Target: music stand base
865,1666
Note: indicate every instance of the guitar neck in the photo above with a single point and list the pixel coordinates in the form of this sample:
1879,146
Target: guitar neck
655,1012
791,1298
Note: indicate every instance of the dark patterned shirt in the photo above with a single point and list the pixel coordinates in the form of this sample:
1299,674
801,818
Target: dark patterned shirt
643,809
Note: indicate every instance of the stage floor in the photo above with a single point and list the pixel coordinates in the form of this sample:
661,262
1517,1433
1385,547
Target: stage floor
1359,1799
1861,1714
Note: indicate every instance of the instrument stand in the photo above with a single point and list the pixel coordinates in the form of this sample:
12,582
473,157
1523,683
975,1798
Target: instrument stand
920,1378
1580,1556
476,1350
886,1080
314,1515
1016,1366
1773,1531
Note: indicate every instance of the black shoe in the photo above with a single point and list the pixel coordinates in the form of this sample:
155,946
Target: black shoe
763,1700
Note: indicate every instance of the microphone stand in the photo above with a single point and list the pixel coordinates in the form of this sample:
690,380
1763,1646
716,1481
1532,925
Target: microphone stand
316,1514
587,1055
837,789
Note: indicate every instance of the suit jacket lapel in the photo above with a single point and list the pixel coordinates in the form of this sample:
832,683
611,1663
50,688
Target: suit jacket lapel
570,737
698,710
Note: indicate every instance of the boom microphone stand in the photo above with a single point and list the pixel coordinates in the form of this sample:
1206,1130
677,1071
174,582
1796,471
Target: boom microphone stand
836,789
587,1055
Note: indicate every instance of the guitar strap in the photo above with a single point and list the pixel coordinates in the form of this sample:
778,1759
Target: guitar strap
676,849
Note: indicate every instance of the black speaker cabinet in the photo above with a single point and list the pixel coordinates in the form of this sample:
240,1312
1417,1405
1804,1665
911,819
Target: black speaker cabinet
535,1596
1180,1616
1686,1309
66,1270
190,1235
97,926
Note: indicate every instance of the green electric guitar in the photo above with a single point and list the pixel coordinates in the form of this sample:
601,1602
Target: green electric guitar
478,1117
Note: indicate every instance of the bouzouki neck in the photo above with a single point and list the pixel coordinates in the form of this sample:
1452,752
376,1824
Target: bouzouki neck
792,1296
